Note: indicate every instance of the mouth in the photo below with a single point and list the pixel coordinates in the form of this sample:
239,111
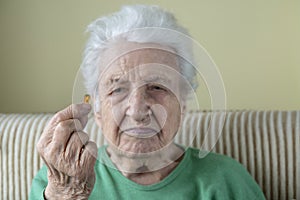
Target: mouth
141,132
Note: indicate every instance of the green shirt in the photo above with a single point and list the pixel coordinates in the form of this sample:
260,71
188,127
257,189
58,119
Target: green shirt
212,177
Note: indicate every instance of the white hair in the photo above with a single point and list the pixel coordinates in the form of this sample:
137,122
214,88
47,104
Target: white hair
136,23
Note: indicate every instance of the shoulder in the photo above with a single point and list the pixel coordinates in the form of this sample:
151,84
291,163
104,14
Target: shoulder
222,174
213,161
217,165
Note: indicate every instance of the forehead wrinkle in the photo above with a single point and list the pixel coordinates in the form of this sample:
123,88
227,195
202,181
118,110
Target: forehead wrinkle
116,79
117,73
128,65
157,78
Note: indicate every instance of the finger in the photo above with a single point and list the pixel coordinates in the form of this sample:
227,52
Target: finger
83,120
65,160
74,111
58,138
88,156
77,111
64,129
75,145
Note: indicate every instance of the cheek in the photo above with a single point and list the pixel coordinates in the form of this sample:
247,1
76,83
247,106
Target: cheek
112,116
109,125
173,118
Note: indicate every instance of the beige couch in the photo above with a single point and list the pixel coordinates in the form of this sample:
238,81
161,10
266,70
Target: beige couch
267,143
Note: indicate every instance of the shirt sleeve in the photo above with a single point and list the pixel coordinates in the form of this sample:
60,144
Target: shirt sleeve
39,184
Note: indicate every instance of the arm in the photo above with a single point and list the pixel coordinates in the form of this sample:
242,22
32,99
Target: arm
39,183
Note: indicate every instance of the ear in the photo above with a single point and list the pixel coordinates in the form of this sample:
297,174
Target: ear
97,113
183,107
182,112
98,119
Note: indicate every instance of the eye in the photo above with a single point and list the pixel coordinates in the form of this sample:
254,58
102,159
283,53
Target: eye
117,91
156,88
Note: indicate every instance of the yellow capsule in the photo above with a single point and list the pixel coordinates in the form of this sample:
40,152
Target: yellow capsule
86,98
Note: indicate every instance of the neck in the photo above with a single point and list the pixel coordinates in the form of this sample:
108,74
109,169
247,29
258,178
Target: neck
147,168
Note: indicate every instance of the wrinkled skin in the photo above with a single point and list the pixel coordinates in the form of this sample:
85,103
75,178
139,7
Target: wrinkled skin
141,107
139,115
68,154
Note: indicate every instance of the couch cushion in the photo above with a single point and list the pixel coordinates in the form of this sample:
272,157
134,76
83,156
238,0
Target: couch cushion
267,143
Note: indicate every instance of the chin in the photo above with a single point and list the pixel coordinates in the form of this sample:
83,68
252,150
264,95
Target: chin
140,146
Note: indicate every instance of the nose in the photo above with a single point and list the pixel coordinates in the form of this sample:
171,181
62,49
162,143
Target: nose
139,105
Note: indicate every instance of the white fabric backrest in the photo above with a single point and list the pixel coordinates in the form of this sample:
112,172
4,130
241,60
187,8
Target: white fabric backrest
267,143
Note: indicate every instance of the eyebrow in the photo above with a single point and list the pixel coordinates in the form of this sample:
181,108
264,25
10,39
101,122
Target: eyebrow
115,79
119,79
157,78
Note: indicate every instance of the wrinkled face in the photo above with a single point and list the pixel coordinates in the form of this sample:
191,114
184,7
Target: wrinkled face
140,107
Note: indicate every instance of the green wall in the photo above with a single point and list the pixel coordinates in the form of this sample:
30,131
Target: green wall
256,45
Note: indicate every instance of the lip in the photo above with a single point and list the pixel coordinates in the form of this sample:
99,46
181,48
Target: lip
140,132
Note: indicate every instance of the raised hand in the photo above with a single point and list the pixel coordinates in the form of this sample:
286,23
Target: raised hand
68,154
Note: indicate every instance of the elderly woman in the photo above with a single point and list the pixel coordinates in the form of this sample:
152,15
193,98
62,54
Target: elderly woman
139,84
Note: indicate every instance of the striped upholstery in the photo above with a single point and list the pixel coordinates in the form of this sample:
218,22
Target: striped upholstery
266,142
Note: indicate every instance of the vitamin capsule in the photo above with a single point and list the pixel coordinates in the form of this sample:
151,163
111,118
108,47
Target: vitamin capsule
86,98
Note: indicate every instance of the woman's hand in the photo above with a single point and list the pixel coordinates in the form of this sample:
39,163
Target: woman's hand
69,154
